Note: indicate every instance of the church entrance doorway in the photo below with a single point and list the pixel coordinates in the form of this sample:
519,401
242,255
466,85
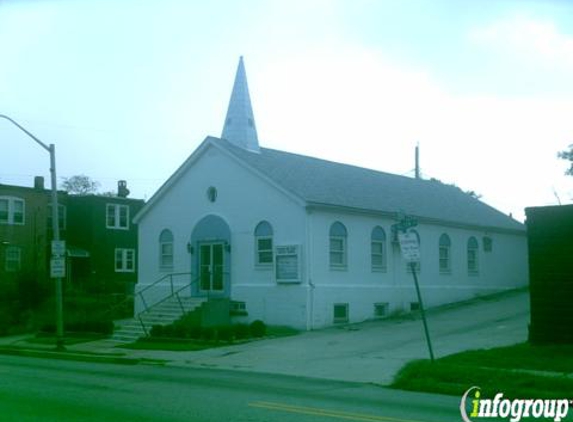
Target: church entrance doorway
211,267
210,247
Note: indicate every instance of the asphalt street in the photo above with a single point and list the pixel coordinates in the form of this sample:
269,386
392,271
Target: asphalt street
34,389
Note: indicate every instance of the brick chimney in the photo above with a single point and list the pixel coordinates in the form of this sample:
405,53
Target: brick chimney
122,190
39,183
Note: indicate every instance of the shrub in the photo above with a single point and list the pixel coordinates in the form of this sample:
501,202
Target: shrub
226,333
242,331
207,333
156,331
31,293
258,328
178,330
168,331
99,327
96,327
195,332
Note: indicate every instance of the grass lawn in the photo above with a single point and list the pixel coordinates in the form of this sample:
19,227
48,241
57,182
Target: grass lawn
553,358
281,331
185,345
69,338
519,371
171,345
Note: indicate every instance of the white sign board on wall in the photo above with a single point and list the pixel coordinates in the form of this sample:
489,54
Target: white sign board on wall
287,264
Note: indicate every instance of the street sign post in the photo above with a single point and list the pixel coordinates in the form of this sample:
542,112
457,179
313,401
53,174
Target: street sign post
410,247
58,248
58,267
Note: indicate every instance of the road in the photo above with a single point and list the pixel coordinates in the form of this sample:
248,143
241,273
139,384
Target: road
33,389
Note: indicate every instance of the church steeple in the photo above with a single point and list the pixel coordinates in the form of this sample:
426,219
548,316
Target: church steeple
239,127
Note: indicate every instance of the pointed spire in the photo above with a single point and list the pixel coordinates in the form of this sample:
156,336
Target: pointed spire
239,127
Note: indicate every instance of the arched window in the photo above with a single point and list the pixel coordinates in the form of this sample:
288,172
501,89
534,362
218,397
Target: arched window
445,255
166,250
264,244
473,248
378,249
337,245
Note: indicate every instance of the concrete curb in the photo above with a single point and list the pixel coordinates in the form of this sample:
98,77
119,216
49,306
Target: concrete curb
69,355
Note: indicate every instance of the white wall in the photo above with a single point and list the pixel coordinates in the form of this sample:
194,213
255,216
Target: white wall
503,268
243,201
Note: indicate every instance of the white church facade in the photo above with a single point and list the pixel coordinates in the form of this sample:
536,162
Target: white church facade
300,241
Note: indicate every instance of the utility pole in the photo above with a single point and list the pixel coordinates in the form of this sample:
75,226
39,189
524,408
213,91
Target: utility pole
55,228
417,161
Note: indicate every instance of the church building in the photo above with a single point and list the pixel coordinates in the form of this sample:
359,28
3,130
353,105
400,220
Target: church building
304,242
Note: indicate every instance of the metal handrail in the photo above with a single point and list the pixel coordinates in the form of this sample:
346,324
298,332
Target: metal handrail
173,293
170,276
124,302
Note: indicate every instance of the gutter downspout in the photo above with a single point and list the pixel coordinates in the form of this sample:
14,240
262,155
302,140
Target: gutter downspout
311,286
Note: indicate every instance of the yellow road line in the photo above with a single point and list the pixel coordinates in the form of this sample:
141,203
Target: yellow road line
335,414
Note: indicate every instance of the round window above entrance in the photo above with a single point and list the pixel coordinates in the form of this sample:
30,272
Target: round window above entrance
212,194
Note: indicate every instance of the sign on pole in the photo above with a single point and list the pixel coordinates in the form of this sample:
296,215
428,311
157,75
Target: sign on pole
409,246
58,267
58,247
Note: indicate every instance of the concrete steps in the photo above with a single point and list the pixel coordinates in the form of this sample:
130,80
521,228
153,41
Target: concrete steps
165,313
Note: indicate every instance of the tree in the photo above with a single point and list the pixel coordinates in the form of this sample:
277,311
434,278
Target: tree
567,155
80,185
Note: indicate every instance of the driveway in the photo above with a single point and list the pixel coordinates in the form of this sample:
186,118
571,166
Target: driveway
371,351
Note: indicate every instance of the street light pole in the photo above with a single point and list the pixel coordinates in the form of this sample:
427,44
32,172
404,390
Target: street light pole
55,228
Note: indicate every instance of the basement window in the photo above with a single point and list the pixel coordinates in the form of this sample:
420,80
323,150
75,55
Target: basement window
238,308
380,309
340,312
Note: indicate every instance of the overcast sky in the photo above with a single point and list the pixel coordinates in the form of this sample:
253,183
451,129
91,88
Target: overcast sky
128,89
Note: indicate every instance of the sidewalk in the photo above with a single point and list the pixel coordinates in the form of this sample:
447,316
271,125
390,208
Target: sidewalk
367,352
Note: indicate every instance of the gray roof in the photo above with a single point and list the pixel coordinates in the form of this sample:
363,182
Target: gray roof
324,182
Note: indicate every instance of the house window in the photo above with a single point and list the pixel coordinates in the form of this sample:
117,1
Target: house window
473,265
11,210
13,259
340,312
264,244
378,249
61,216
124,260
337,246
487,244
117,216
166,250
445,255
